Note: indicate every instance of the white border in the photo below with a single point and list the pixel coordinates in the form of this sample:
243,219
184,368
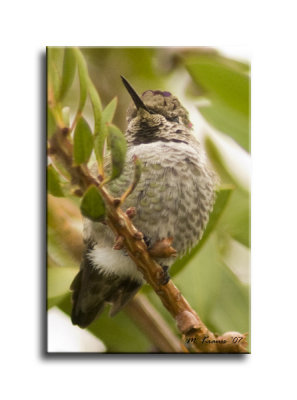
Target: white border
269,29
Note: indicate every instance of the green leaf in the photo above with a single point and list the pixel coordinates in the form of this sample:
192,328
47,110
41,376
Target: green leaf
221,201
54,78
58,253
119,333
235,220
51,123
69,66
108,112
240,66
226,83
82,142
58,282
92,205
99,143
227,120
100,130
215,158
230,311
55,55
236,217
83,78
53,182
97,107
228,90
219,164
118,148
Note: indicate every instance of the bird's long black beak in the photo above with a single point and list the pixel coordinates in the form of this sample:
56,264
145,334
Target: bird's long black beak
137,100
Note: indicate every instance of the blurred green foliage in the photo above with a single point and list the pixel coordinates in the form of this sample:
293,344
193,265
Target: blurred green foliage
78,77
227,88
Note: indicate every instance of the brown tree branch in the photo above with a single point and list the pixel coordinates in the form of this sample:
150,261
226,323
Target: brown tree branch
197,337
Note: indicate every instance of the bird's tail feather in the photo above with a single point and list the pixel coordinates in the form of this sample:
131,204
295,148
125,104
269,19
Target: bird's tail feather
92,288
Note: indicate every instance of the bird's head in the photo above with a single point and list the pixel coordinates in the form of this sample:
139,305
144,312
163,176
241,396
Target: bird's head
156,116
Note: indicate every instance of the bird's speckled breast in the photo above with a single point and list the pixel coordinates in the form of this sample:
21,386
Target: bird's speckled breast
174,195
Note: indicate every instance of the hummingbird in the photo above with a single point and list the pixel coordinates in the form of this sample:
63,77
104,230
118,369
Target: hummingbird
173,199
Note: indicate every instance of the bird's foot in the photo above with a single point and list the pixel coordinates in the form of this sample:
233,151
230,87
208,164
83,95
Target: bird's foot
119,243
131,212
147,241
165,276
163,249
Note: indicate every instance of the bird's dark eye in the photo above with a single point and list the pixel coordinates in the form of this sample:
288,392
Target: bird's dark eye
173,119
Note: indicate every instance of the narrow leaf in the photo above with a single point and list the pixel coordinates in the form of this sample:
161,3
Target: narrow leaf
220,204
137,171
226,83
136,178
83,78
51,123
229,121
82,142
219,164
54,79
99,146
236,218
109,110
118,148
53,182
69,66
230,311
92,205
228,90
97,107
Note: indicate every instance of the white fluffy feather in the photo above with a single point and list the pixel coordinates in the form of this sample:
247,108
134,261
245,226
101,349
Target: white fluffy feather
114,262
